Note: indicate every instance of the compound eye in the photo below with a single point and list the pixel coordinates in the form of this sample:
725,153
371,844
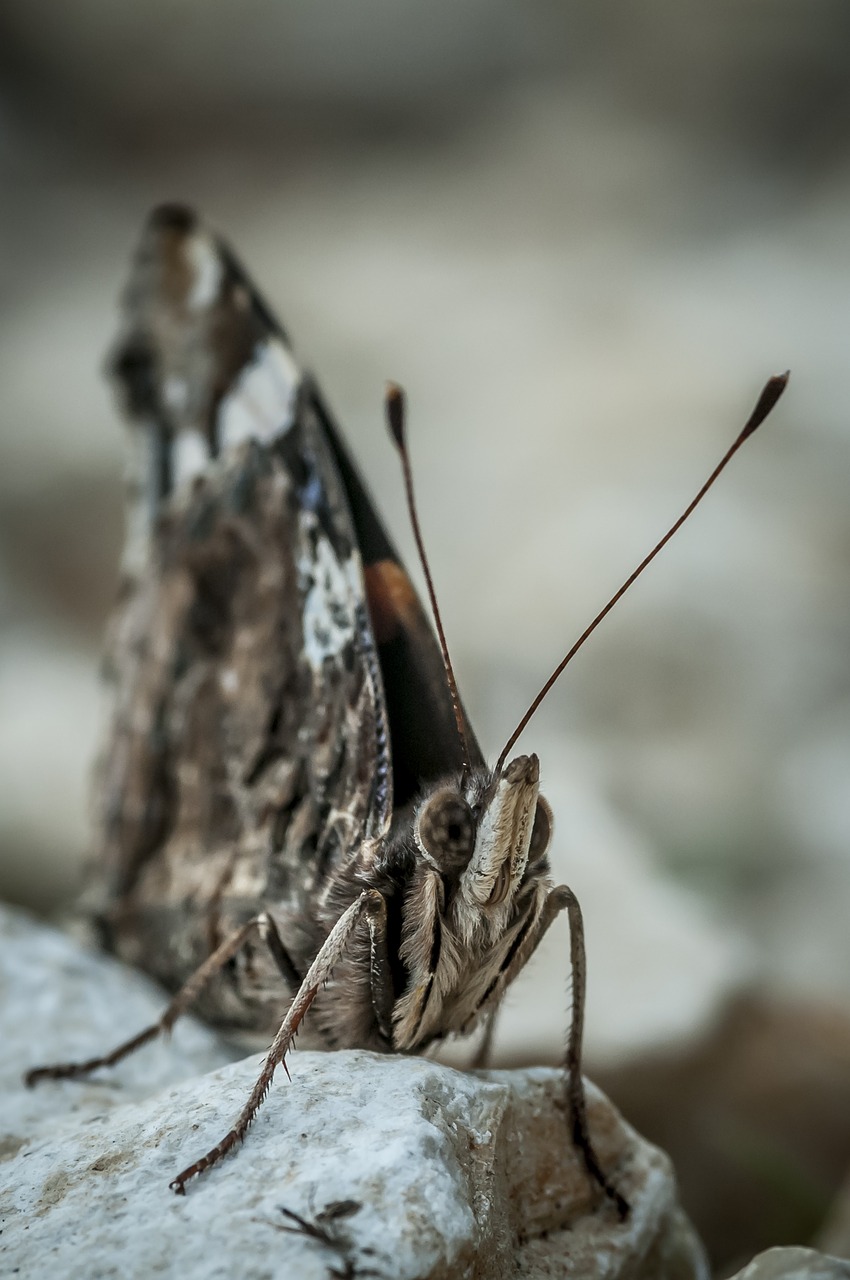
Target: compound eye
541,832
445,829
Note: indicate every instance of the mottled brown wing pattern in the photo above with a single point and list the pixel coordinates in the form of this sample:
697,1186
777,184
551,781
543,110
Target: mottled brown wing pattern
248,754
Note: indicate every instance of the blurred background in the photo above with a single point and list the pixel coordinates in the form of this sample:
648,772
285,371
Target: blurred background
582,236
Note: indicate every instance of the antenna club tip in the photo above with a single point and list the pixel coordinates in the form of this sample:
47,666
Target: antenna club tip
773,389
394,403
777,384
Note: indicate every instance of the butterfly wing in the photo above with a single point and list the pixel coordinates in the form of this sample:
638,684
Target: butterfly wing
421,717
263,614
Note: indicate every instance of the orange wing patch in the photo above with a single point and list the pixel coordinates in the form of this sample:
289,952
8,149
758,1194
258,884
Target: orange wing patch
391,597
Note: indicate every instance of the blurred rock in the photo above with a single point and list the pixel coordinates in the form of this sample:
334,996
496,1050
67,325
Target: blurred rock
442,1174
231,66
48,731
794,1264
62,1000
779,84
61,542
756,1117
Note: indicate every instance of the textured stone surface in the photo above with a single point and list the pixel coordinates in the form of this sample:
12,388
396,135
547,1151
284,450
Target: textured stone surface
451,1174
794,1264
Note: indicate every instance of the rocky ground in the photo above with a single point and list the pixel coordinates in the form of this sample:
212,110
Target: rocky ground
440,1174
359,1165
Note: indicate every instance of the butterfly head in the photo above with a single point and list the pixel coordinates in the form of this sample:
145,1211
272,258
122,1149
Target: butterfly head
486,831
475,895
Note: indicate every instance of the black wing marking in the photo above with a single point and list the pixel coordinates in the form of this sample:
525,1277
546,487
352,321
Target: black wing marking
421,717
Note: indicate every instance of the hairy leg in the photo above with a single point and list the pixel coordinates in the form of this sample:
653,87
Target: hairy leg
575,1081
183,1000
560,899
380,973
481,1058
369,904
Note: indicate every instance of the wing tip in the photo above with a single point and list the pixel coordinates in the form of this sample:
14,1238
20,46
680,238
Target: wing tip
171,215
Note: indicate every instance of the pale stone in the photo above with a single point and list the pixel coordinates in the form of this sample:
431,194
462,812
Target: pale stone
452,1175
794,1264
62,1001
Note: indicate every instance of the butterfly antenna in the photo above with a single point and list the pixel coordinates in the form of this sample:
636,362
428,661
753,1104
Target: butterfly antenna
773,389
395,410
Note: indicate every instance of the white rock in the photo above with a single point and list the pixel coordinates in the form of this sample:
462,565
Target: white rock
452,1174
61,1001
794,1264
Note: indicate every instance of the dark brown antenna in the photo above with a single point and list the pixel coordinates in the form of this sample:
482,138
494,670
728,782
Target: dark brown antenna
772,391
395,409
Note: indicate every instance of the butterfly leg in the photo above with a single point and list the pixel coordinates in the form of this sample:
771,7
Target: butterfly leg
560,899
185,997
380,973
575,1081
481,1057
370,904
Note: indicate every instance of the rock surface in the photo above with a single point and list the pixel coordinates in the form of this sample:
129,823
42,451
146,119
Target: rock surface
61,1001
440,1174
794,1264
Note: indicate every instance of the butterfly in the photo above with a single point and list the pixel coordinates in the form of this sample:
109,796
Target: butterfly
296,823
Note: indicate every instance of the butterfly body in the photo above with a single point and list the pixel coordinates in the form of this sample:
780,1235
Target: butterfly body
283,738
